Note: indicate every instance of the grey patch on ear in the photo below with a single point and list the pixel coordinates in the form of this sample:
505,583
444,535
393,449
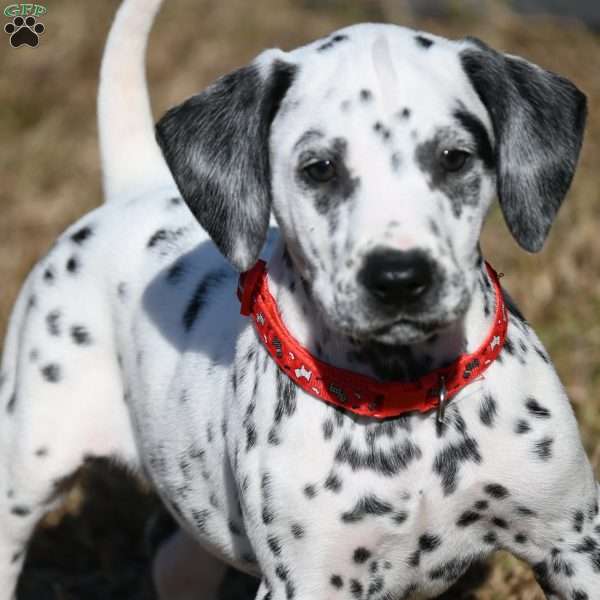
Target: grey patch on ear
538,119
217,147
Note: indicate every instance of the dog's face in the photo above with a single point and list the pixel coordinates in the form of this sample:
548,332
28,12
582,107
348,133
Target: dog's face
379,151
382,173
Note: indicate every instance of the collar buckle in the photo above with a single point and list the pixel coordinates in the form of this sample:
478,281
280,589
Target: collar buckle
442,401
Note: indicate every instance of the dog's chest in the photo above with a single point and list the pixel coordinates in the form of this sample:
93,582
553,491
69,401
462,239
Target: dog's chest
345,503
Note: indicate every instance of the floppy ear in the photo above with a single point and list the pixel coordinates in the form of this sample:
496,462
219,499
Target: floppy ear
217,147
538,119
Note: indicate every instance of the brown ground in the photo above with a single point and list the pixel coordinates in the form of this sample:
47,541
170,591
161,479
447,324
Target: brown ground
50,175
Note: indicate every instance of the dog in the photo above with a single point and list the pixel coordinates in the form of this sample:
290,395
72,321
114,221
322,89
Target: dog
360,168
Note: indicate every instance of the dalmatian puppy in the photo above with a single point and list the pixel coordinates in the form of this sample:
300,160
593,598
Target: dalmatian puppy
378,152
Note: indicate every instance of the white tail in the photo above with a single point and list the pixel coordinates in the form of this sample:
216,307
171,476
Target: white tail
131,159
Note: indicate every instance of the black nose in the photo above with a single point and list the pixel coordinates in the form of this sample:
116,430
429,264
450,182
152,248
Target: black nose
397,278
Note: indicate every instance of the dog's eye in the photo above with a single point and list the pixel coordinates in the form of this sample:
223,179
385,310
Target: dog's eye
453,160
321,171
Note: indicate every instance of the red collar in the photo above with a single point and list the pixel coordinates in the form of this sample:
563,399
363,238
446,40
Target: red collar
355,392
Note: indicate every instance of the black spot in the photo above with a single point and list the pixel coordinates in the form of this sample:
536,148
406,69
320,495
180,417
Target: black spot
310,491
495,490
488,410
535,409
297,530
520,538
250,436
508,347
336,581
428,543
396,160
400,517
82,235
543,448
122,291
499,522
41,452
389,461
282,572
579,595
12,401
159,236
578,518
327,429
333,483
361,555
336,39
366,506
20,511
274,545
448,461
73,265
356,588
273,438
423,42
522,426
81,335
542,355
49,275
490,538
366,95
53,322
383,131
526,512
375,587
51,373
468,518
199,296
286,397
200,518
481,505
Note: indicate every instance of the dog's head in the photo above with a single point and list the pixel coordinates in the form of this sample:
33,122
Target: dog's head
379,151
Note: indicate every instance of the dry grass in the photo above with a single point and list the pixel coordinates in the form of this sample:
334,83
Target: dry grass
50,175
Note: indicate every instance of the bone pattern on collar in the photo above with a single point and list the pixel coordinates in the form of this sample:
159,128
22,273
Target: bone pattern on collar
355,392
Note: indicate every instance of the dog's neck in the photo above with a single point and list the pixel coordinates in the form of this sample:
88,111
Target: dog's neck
305,323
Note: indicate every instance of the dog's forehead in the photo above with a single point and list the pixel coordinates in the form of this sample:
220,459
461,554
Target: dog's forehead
393,70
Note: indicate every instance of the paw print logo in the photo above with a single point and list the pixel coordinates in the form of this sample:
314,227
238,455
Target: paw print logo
24,31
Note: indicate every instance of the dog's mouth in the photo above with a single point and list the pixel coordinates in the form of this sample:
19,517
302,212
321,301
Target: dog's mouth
404,331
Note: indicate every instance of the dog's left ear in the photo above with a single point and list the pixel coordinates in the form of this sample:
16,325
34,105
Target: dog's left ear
538,119
217,147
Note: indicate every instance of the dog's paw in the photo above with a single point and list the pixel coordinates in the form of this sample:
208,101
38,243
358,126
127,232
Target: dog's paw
24,31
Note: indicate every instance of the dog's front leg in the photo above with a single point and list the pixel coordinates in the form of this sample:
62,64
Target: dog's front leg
568,565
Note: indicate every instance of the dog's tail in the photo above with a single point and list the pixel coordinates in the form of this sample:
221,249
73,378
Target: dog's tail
131,159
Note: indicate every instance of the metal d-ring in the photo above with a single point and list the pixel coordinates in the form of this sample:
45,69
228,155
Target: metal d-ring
441,409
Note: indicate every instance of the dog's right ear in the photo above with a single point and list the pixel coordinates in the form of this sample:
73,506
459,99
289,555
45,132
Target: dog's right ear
217,147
